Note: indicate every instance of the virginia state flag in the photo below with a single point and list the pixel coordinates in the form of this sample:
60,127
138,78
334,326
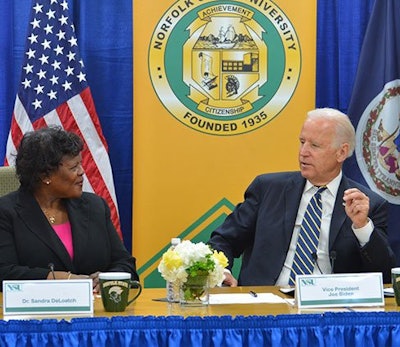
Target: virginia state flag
375,111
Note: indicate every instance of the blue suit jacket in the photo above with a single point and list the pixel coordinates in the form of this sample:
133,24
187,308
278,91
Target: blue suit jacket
28,243
260,228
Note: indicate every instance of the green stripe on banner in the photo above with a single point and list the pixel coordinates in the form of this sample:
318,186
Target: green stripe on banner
154,279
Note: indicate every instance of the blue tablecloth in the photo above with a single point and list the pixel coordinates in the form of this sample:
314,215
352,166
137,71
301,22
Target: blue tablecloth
326,329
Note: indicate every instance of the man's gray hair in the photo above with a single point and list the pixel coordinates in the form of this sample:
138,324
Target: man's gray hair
345,132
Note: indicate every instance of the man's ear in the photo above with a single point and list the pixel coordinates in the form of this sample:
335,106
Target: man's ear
342,152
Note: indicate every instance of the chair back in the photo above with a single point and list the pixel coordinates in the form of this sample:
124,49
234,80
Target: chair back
8,180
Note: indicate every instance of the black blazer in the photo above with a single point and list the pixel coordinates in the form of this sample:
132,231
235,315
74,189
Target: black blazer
28,243
260,228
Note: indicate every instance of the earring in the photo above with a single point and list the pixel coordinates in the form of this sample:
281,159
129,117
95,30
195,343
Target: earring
47,182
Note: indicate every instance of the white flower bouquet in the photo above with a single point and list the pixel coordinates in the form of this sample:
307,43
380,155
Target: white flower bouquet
189,260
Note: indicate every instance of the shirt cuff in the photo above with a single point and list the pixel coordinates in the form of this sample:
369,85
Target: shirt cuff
363,234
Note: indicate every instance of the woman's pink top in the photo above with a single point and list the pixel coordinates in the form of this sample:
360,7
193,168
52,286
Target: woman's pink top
64,233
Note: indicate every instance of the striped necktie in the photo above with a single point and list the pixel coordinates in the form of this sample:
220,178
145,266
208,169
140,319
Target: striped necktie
307,243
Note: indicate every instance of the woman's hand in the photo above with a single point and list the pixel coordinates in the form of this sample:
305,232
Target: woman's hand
78,277
96,284
64,275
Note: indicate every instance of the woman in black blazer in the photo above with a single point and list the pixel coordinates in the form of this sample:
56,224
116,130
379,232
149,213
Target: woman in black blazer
49,223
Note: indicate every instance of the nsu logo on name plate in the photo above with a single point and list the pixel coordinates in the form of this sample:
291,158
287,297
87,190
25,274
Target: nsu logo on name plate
224,67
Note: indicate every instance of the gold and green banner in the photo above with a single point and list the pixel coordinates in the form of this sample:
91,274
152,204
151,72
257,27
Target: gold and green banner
221,89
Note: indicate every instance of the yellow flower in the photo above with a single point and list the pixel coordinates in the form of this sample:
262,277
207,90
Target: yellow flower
221,258
171,260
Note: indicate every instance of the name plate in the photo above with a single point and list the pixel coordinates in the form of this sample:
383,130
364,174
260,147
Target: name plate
40,297
339,290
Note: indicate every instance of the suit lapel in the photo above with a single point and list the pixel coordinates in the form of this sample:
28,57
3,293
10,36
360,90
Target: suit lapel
36,222
293,193
339,213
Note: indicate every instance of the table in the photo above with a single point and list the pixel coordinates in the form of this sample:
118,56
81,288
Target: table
146,305
154,323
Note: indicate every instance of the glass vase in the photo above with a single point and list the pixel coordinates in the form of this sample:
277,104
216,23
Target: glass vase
195,291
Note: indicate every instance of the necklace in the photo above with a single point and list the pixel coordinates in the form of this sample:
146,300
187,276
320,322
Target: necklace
51,218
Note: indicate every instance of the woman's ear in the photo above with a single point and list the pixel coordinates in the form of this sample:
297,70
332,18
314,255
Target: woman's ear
46,180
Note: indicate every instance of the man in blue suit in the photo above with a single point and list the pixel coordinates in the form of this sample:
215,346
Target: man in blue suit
264,228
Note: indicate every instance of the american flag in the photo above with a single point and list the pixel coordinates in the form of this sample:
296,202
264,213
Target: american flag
54,90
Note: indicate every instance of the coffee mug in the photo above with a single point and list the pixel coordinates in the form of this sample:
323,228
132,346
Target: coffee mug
396,284
115,288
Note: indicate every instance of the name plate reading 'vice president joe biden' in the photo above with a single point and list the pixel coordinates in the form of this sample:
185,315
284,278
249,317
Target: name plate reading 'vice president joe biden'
339,290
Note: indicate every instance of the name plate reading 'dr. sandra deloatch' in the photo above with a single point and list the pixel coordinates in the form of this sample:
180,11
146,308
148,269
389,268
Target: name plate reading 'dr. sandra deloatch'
339,290
40,297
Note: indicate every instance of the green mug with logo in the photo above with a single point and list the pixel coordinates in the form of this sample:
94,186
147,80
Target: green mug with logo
396,284
115,289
